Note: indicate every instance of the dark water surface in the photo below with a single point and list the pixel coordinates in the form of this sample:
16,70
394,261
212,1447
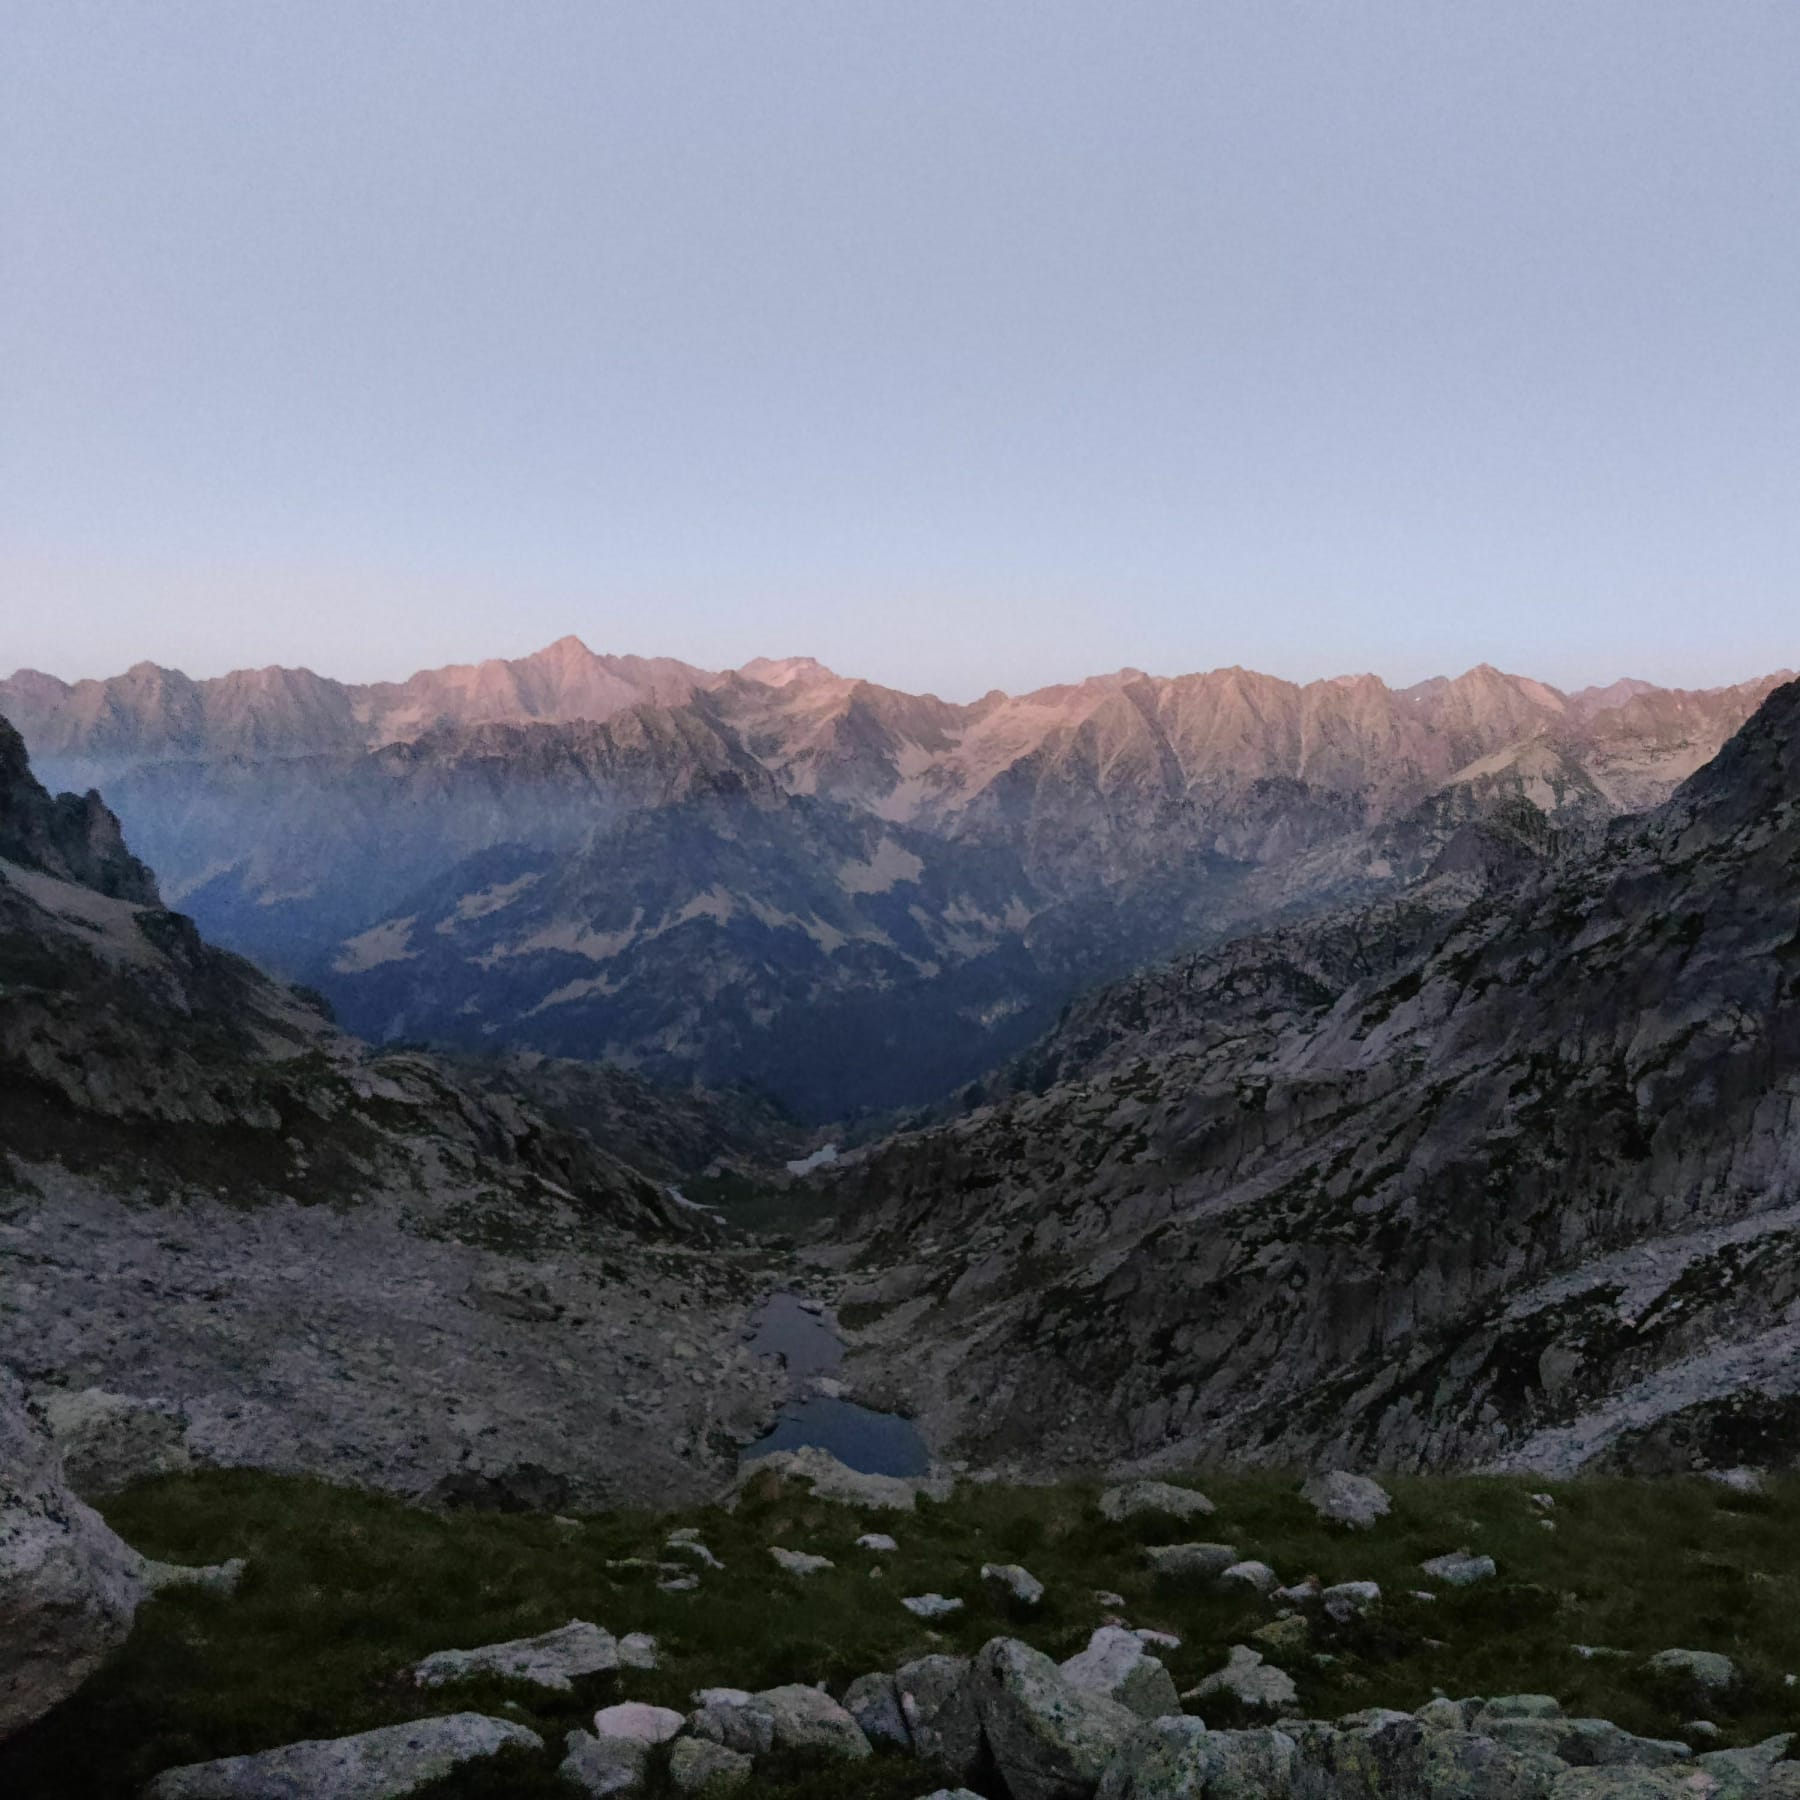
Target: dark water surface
873,1443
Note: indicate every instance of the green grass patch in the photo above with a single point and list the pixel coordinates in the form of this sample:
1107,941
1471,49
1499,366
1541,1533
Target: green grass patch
346,1589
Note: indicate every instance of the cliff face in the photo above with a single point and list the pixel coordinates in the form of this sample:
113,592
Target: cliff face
69,836
1512,1180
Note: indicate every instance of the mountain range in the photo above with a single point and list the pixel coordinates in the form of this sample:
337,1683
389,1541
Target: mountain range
857,897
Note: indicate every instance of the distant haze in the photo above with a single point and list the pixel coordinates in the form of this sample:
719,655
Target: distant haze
956,346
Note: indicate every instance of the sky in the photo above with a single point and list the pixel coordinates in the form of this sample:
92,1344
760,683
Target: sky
957,344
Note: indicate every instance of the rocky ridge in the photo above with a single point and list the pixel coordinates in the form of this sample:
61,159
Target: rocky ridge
1509,1180
538,853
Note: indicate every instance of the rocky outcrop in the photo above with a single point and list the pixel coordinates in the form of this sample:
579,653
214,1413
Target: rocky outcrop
1523,1185
385,1764
68,1586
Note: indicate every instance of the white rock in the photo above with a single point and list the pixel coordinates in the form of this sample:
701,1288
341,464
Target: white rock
1459,1568
695,1550
931,1606
373,1765
1248,1680
1154,1496
1345,1499
1117,1666
1157,1640
1015,1582
553,1659
801,1562
876,1540
637,1650
637,1721
1256,1575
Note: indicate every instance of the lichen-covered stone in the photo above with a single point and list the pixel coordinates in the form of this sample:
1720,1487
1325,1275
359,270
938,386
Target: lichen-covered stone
373,1765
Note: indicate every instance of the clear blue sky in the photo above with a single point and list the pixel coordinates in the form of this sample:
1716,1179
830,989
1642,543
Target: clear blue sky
956,343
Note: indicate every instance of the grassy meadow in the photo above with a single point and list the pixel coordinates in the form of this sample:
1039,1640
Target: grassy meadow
346,1589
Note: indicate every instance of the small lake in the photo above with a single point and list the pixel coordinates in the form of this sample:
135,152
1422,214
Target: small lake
871,1442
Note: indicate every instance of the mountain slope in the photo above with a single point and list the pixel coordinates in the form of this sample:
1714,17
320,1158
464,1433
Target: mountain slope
1522,1190
312,1256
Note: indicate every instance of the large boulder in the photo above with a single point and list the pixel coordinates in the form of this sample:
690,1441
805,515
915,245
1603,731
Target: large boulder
69,1587
807,1720
1050,1740
1135,1497
373,1765
937,1701
1345,1499
1116,1665
873,1701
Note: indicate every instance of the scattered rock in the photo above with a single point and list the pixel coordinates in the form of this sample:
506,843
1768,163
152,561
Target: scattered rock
873,1701
683,1544
1350,1600
1250,1681
931,1606
1255,1575
1118,1666
69,1588
1050,1740
1703,1670
736,1719
833,1480
678,1584
372,1765
604,1766
1288,1636
1345,1499
551,1660
1459,1568
1156,1497
807,1720
637,1721
1543,1502
937,1701
1182,1560
1516,1706
1106,1597
1157,1640
876,1540
637,1650
801,1562
1019,1585
695,1765
1740,1480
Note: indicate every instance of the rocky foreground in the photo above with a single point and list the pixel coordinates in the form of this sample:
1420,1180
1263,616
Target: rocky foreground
824,1634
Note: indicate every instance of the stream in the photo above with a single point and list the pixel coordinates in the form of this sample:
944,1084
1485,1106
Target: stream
873,1443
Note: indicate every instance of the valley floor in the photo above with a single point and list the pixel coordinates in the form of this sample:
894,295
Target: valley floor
347,1589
